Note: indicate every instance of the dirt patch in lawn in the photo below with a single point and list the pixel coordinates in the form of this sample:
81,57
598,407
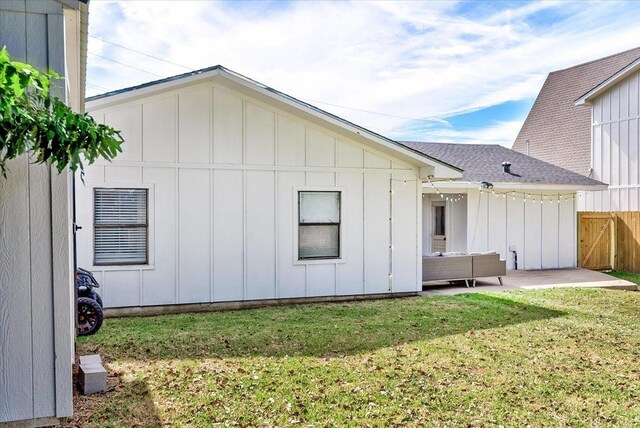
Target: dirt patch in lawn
133,398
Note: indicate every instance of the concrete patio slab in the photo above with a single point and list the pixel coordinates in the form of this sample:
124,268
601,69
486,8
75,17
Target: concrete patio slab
533,279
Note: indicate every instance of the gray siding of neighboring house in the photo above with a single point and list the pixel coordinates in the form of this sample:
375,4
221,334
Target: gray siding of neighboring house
36,340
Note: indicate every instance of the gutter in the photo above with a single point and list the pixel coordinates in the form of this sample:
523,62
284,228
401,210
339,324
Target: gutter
518,186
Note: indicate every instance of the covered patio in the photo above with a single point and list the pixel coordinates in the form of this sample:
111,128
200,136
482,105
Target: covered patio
505,202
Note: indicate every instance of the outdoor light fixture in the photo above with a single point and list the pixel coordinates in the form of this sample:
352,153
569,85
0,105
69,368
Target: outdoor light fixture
486,185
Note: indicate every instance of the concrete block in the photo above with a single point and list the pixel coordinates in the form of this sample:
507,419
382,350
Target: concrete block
93,378
90,359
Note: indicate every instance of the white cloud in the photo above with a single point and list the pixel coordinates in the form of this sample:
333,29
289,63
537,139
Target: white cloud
413,59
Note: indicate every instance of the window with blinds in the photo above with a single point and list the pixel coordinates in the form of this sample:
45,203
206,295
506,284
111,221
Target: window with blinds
318,225
120,224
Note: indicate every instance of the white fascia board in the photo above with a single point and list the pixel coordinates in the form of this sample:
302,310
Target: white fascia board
244,85
357,133
455,189
516,186
587,98
151,89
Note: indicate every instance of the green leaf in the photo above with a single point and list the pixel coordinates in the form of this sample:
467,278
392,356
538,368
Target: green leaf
31,121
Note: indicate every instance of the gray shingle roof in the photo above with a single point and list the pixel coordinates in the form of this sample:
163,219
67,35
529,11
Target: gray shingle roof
483,162
558,131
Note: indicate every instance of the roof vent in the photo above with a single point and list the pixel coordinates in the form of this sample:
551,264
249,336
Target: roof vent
506,167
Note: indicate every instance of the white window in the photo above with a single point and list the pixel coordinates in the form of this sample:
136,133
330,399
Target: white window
318,225
121,227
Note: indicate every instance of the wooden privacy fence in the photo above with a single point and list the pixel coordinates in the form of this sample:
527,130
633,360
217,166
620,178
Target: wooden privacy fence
609,240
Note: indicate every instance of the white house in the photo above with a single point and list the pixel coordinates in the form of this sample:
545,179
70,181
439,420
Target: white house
615,153
36,273
228,190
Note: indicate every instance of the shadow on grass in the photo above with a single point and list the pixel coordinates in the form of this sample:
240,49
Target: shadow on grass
128,401
319,330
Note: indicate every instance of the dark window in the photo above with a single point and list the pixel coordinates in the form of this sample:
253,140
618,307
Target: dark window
439,220
318,225
120,224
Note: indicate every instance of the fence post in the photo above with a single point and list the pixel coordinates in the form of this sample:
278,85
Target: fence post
614,241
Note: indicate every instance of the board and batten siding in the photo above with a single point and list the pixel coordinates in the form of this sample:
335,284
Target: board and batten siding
615,154
544,235
223,172
36,322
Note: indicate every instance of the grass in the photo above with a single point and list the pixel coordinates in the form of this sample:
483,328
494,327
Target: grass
629,276
539,358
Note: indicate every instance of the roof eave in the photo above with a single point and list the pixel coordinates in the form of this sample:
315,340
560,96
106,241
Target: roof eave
441,169
587,98
127,94
520,186
435,166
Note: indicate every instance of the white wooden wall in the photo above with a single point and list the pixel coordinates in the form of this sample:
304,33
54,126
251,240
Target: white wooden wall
614,149
544,235
36,339
222,170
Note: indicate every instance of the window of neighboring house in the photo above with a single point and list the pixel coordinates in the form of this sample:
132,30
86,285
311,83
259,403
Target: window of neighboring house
121,227
318,225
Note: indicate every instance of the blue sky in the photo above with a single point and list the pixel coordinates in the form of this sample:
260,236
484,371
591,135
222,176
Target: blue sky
430,71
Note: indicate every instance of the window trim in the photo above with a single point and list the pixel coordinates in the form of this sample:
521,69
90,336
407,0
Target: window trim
150,265
341,225
122,226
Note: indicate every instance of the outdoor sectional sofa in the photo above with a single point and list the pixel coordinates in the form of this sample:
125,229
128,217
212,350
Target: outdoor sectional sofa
462,266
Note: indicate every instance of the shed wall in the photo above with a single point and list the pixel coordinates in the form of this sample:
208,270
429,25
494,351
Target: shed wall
223,170
36,336
615,156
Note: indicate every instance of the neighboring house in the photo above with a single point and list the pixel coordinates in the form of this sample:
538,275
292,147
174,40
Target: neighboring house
529,210
557,131
36,277
615,149
585,119
228,190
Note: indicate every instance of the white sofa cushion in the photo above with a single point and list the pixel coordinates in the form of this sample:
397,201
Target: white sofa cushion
454,254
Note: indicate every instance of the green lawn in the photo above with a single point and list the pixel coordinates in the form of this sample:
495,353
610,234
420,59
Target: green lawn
566,357
629,276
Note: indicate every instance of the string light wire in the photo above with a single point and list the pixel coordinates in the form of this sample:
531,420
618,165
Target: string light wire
542,197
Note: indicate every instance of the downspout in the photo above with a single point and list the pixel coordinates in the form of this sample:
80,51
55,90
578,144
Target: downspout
390,283
73,221
75,228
